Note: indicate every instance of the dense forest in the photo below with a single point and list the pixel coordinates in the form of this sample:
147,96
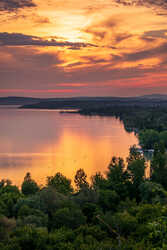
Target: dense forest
120,210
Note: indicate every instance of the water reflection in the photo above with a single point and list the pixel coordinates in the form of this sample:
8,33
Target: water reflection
48,142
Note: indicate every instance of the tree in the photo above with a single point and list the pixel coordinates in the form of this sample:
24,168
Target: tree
136,169
153,193
108,199
6,227
134,154
118,177
61,239
159,169
98,181
5,182
148,138
68,217
159,165
60,183
148,212
29,186
80,180
30,237
163,137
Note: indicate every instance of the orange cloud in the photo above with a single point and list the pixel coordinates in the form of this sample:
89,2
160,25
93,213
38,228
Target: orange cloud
37,91
82,47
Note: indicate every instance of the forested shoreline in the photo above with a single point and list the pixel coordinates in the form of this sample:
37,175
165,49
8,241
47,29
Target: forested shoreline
124,209
149,123
121,210
145,116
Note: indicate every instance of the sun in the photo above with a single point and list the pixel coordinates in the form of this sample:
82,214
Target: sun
70,28
73,36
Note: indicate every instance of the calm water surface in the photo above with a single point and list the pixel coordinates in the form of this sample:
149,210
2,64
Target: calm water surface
44,142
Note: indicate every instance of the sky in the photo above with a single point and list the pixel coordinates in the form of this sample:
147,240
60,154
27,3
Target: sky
70,48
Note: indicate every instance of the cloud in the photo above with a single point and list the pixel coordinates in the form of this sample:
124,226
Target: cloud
160,51
162,4
28,59
27,66
14,5
108,32
18,39
39,20
38,90
29,71
24,66
156,34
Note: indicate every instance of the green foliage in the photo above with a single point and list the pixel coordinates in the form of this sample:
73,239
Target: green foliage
136,170
148,138
94,230
33,220
159,168
121,224
163,137
121,211
70,218
30,216
50,200
98,181
118,177
6,227
9,195
136,166
81,180
148,213
32,202
134,155
86,196
89,209
29,186
29,237
152,193
157,232
60,183
60,238
108,199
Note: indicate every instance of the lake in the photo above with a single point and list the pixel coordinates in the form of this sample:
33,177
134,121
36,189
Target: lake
44,142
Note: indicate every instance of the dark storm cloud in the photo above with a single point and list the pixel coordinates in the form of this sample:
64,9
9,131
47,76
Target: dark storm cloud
13,5
18,39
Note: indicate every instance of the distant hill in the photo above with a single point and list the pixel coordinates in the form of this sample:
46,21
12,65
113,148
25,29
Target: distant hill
15,100
77,102
90,103
12,100
155,96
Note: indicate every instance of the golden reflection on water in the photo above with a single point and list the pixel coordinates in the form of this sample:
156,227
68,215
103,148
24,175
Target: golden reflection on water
61,143
74,151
